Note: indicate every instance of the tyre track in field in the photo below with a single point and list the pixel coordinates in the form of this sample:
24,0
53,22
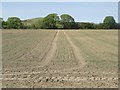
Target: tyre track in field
47,56
51,52
78,56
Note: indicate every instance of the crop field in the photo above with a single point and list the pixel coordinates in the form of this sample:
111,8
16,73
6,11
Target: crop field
60,58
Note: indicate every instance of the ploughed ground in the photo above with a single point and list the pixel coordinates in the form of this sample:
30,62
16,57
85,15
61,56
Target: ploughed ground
60,58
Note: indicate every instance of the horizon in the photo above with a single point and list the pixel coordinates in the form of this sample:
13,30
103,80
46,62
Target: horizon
93,12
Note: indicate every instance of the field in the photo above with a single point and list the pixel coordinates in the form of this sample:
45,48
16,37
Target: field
60,58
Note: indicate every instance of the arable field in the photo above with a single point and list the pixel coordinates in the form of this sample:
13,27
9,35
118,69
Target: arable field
60,58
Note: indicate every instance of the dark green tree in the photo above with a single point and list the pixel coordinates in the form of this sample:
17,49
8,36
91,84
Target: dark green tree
117,26
4,25
67,21
50,21
14,23
109,22
1,21
86,25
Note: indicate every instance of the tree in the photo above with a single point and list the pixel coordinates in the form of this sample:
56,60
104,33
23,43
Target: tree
59,25
68,21
117,26
1,21
109,22
49,22
14,23
86,25
99,26
4,25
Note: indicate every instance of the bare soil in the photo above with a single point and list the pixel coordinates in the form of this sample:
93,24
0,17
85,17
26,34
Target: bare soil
60,58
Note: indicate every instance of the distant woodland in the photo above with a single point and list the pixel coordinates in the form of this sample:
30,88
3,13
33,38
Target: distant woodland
53,21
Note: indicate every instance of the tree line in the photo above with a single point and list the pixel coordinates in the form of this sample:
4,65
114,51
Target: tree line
53,21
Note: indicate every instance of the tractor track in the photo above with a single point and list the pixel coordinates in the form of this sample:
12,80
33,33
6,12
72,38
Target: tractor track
78,56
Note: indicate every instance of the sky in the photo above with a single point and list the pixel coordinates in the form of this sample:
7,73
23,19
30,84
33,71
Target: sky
81,11
60,0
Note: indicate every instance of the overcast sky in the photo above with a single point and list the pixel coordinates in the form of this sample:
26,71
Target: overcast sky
81,11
